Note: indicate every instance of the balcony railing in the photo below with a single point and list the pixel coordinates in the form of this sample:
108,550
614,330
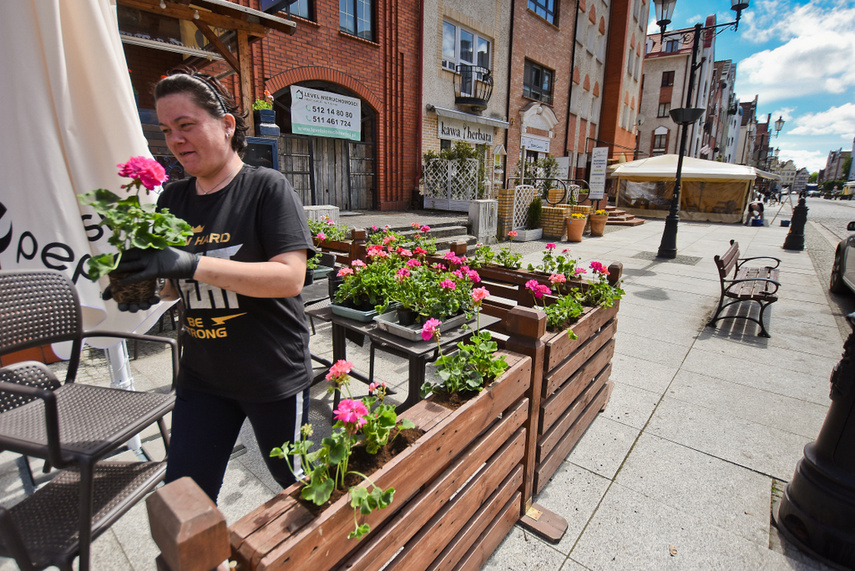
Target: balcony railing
473,86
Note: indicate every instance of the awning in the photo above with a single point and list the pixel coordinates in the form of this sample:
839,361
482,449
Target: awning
769,175
461,116
169,47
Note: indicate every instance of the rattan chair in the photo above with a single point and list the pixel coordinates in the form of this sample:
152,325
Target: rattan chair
73,426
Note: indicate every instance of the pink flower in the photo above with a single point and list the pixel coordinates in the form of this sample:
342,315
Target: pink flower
413,263
458,274
388,239
440,267
550,246
339,371
447,284
479,294
149,172
402,274
425,228
419,251
404,253
430,328
374,227
376,251
473,276
537,289
512,234
565,251
321,236
357,263
372,387
599,268
344,272
414,225
330,222
352,412
557,278
579,271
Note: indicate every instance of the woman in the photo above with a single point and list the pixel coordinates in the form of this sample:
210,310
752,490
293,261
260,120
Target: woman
246,347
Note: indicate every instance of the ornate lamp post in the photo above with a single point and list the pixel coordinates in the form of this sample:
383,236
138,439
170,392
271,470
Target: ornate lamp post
685,116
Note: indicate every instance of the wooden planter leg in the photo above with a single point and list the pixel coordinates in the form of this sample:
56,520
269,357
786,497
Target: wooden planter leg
526,326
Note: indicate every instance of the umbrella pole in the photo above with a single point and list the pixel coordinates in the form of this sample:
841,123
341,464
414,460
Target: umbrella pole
120,378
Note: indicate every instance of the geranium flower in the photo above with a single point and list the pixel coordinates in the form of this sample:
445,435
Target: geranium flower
550,246
430,328
149,172
344,272
425,228
414,225
373,227
321,236
419,251
357,263
557,278
414,263
458,274
473,276
479,294
330,222
351,412
440,267
404,253
599,268
447,284
339,371
388,239
402,274
579,271
536,288
512,234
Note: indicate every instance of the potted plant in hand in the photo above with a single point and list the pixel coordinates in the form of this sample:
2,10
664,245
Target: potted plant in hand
134,225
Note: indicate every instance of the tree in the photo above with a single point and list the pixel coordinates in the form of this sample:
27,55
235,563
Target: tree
813,177
847,164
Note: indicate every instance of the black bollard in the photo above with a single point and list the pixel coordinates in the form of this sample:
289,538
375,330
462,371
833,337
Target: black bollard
817,511
796,238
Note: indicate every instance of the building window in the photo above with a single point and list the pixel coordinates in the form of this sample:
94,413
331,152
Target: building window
664,108
545,9
659,142
460,45
537,82
301,8
356,17
667,78
672,46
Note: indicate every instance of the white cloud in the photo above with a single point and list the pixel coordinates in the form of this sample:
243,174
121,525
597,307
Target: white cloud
834,121
815,58
785,113
813,161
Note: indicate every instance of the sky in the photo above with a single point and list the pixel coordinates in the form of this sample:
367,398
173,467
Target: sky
798,57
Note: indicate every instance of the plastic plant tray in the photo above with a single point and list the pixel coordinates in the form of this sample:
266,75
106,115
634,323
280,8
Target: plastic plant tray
389,322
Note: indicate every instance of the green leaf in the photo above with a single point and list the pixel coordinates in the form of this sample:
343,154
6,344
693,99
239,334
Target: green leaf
359,532
318,492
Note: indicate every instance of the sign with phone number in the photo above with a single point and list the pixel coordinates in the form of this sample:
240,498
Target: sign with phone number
325,114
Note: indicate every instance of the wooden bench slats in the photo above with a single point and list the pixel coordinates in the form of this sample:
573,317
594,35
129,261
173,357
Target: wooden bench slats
758,284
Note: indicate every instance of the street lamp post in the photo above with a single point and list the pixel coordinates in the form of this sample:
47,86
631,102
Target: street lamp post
685,116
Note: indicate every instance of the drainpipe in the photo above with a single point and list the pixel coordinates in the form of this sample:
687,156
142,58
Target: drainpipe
572,172
420,128
508,97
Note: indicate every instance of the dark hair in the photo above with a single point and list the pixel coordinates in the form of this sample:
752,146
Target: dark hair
208,93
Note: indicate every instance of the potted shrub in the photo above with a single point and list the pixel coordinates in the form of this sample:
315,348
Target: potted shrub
598,222
133,225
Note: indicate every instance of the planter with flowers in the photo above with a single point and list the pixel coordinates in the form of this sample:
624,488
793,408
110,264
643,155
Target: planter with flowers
133,225
598,222
449,497
264,116
578,348
576,226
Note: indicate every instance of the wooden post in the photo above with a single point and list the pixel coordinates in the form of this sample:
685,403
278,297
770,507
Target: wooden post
245,60
525,327
188,528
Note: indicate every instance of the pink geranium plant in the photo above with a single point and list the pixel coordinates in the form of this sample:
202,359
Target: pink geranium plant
366,422
133,224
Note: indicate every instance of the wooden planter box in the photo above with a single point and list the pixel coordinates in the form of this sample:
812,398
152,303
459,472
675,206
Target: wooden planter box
458,492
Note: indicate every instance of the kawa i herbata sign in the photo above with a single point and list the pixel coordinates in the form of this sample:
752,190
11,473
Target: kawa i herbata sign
599,163
325,114
457,130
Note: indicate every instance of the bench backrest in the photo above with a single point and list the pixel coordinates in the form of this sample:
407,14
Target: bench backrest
726,263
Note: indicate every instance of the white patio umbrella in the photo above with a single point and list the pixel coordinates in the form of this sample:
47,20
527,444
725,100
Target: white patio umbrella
68,119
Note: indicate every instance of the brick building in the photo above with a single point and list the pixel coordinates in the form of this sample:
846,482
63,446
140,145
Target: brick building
339,48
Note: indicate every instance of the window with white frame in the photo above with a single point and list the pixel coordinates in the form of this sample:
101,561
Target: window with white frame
460,45
356,17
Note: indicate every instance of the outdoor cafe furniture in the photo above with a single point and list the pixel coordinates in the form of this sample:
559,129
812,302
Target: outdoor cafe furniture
73,426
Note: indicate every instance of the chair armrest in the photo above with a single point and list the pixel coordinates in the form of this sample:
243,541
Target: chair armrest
125,335
741,261
14,375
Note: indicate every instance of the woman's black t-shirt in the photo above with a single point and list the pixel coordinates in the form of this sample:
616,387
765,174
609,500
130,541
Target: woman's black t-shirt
235,346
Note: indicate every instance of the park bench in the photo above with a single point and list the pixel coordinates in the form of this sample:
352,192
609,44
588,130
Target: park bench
758,284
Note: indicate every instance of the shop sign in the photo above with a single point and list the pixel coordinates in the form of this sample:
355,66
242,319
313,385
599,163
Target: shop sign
535,144
456,130
325,114
599,162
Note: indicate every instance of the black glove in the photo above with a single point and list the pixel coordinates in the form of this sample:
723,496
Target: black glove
168,263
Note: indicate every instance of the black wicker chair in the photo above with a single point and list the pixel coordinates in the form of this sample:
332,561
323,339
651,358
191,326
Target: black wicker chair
73,426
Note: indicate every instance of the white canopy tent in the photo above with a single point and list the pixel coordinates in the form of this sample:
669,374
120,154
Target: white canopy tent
710,190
